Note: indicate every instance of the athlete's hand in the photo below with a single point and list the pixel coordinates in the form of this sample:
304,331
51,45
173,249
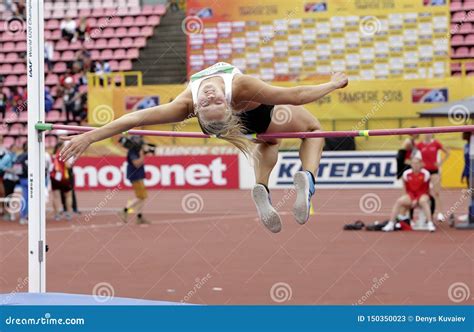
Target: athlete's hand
340,80
76,145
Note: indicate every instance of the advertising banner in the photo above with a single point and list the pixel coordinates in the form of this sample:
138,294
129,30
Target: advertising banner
162,172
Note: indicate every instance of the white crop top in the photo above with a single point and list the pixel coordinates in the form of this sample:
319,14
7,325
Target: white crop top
221,69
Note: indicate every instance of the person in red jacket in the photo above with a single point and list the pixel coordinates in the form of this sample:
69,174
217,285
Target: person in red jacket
429,149
417,194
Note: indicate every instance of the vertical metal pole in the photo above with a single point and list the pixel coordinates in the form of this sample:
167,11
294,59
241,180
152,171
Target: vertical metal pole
36,151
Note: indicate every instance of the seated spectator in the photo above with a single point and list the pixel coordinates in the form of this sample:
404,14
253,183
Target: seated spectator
18,100
83,55
48,54
73,101
68,29
62,79
48,100
83,30
3,104
417,187
102,67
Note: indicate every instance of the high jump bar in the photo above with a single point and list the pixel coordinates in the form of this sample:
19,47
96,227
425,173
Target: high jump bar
321,134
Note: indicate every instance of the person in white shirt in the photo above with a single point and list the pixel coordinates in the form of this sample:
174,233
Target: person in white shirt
68,28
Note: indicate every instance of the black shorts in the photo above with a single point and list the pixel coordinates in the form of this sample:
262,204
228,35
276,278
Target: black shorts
256,121
434,172
60,185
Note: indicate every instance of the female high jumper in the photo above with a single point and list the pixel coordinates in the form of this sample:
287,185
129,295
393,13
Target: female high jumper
230,105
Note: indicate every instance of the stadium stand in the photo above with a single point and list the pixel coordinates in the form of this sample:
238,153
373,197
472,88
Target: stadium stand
117,32
462,40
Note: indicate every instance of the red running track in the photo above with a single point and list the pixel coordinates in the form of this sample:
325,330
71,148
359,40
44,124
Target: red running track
222,255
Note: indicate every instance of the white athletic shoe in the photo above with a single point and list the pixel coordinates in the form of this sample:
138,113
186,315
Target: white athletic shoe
23,221
431,227
304,191
390,227
267,213
441,217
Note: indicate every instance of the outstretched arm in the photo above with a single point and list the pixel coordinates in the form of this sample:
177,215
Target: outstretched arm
253,89
178,110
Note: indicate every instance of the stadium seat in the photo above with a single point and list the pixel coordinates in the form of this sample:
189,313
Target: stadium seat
114,43
153,20
125,65
86,12
114,65
140,42
61,45
8,47
140,21
100,43
132,53
8,141
11,58
22,80
457,40
127,21
119,54
459,16
134,32
469,40
160,10
52,24
126,42
95,54
52,79
456,6
59,67
11,80
20,46
5,69
121,32
97,12
106,55
147,31
19,69
115,22
67,56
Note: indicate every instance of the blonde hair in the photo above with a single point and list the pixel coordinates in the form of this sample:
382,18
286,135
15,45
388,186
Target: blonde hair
229,129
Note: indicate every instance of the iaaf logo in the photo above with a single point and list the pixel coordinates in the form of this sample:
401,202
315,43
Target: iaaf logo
161,172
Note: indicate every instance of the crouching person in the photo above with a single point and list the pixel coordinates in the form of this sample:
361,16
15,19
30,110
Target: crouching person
417,194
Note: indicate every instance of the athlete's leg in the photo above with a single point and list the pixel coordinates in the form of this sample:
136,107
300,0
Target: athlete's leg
264,159
287,118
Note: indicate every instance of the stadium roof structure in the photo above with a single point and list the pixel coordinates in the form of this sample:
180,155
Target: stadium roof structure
458,109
